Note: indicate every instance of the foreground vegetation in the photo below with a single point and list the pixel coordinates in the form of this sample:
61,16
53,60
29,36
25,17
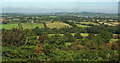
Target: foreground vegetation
59,38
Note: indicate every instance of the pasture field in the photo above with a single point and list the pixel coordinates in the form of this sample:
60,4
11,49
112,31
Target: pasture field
79,25
114,23
32,26
110,23
57,25
89,23
24,25
9,26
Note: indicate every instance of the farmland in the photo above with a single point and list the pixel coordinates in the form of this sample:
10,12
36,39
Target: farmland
57,25
32,26
88,23
109,23
24,25
79,25
9,26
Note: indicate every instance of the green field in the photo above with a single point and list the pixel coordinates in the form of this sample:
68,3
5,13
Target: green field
89,23
24,25
57,25
9,26
32,26
79,25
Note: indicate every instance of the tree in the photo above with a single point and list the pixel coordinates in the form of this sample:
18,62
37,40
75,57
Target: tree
106,36
68,37
54,42
42,38
99,40
117,36
13,37
20,26
90,35
78,35
56,39
91,44
31,38
52,22
37,30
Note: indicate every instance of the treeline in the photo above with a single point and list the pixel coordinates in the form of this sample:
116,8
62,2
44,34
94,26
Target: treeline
22,37
44,24
70,23
40,18
95,30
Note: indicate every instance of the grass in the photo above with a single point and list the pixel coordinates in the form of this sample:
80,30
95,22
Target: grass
68,43
89,23
79,25
110,23
32,26
9,26
114,35
57,25
113,40
83,34
24,25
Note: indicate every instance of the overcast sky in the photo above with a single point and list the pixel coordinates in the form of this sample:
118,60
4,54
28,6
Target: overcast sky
60,0
109,6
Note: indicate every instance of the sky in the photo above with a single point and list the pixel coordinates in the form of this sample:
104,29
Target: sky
60,0
44,6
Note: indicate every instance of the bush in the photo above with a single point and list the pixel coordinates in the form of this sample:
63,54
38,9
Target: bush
13,37
78,35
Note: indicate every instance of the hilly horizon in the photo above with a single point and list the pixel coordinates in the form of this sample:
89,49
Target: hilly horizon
53,7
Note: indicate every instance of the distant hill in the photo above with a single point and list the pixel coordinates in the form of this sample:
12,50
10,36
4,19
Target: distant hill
81,14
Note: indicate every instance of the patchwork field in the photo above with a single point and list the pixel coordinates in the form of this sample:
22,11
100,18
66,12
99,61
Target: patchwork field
79,25
89,23
32,26
57,25
110,23
9,26
24,25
